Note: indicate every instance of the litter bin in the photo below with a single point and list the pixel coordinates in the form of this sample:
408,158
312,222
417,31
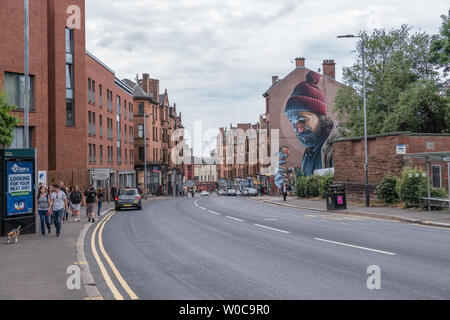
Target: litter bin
335,197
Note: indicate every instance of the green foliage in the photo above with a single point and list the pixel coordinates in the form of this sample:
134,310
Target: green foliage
440,46
386,190
7,121
401,85
325,182
410,186
313,186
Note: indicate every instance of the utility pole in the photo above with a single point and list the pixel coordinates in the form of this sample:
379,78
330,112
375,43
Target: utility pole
366,164
26,96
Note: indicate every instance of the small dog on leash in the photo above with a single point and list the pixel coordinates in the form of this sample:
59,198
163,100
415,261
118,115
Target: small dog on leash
13,235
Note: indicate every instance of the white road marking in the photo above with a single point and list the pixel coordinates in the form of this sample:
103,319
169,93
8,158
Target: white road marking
353,246
202,208
271,219
261,226
233,218
216,213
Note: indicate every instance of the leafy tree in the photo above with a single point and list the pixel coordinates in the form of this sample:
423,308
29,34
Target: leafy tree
440,46
7,121
398,64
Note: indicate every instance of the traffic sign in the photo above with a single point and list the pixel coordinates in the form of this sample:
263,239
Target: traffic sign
100,174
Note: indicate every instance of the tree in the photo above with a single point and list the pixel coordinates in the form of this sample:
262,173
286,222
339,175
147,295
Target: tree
397,65
7,121
440,46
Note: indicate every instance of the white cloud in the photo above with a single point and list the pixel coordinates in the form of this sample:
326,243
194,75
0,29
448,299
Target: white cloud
216,57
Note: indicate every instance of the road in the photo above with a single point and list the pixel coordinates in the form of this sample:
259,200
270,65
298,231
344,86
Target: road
235,248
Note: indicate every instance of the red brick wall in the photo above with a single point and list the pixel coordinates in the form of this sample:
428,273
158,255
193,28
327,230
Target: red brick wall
382,159
12,60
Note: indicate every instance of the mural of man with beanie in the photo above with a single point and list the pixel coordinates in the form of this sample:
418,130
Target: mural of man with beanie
307,112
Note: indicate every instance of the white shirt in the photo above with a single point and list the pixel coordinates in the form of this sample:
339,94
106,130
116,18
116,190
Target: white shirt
58,200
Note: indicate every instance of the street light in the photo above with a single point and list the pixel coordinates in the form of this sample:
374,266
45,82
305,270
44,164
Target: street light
366,167
145,152
26,97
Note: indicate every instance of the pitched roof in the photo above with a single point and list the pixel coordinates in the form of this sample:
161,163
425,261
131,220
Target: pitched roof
138,92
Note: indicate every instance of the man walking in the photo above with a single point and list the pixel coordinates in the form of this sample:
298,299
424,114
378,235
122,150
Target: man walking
91,200
59,201
284,191
76,198
65,213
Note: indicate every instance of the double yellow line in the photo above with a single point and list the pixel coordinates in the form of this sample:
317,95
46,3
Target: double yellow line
109,282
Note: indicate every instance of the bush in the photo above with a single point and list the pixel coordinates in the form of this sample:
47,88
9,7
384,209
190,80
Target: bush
325,182
313,186
410,185
434,193
386,190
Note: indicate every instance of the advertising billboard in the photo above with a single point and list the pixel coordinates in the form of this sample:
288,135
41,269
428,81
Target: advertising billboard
19,188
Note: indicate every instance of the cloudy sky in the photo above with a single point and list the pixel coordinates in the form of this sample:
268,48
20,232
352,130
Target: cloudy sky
217,57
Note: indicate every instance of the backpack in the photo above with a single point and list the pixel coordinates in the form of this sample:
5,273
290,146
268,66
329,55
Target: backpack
75,197
90,198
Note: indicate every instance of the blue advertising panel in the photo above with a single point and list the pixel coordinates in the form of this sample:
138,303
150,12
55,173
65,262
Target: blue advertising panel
19,186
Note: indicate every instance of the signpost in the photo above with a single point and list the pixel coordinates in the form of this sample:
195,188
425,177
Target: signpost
102,175
401,149
447,159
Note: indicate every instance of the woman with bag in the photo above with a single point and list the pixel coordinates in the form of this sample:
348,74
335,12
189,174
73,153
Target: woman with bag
44,209
76,199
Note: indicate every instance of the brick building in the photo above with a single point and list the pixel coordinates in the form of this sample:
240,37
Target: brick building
67,86
383,159
163,176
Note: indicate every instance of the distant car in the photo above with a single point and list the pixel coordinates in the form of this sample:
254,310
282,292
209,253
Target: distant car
251,192
239,193
128,198
204,194
222,192
231,192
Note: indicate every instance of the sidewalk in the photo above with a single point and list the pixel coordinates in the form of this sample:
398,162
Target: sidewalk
35,268
433,218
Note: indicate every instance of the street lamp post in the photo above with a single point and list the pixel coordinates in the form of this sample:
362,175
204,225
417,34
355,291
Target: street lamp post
26,96
366,166
145,153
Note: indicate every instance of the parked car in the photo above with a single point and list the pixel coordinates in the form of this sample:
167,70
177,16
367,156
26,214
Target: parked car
231,192
222,192
251,192
128,198
204,194
239,193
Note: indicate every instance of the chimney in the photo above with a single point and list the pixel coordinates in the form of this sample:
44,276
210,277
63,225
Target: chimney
329,68
154,88
145,82
299,62
274,79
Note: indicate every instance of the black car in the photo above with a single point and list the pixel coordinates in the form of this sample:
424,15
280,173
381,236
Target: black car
128,198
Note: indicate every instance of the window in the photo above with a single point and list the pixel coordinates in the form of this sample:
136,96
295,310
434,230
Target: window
70,105
89,90
119,131
100,125
19,136
131,156
93,149
126,155
141,131
118,106
141,108
100,98
101,154
89,123
131,135
90,153
15,88
112,155
93,124
125,106
93,91
437,176
141,153
119,153
125,134
131,112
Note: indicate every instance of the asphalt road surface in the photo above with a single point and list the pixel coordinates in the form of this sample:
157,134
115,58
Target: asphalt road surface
235,248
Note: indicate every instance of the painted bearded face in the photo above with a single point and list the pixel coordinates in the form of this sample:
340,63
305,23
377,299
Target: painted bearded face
307,127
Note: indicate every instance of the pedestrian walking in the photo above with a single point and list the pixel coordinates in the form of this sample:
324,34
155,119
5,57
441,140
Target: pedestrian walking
44,209
90,200
69,199
63,189
284,191
113,192
76,199
59,201
100,198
